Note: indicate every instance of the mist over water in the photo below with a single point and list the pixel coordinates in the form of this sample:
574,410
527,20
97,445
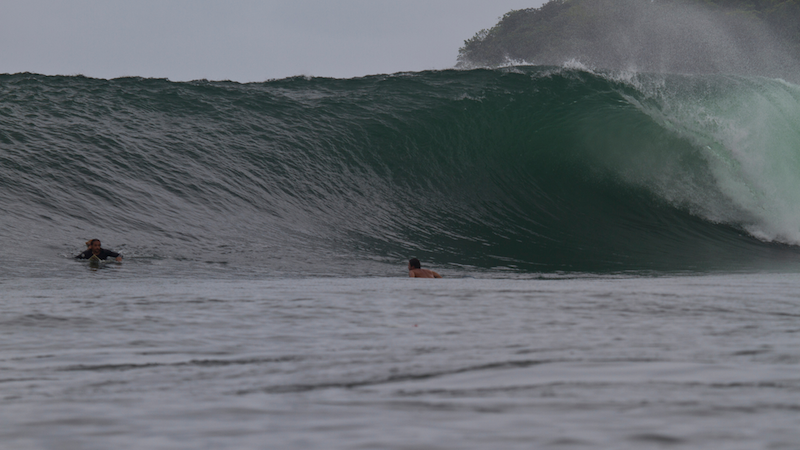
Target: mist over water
677,37
639,36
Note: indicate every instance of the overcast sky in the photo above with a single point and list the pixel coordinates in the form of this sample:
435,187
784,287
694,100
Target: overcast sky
240,40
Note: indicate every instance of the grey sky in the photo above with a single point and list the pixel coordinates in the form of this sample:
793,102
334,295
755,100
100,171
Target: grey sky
240,40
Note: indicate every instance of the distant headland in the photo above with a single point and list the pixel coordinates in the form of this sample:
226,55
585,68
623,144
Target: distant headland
755,37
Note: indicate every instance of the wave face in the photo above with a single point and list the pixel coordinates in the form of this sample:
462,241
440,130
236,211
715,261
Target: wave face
520,169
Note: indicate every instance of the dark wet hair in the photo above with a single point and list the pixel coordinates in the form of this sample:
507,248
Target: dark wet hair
415,263
92,241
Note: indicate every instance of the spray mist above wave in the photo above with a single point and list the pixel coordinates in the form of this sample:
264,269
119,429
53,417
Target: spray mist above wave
665,36
541,169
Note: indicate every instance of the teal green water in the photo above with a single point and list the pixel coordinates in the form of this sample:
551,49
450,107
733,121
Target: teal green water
522,170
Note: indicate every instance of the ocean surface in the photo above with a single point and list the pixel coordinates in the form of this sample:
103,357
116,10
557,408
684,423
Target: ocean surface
621,255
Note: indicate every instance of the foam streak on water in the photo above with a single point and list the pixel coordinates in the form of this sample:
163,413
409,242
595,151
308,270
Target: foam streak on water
602,362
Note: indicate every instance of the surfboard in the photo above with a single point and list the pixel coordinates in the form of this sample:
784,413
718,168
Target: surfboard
94,261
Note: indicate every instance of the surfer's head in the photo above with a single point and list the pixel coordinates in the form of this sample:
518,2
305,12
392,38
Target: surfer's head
94,245
413,263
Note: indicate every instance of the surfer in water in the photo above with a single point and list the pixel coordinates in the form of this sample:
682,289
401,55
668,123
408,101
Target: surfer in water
99,252
415,270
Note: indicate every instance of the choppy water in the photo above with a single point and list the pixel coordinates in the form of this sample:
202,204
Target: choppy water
99,362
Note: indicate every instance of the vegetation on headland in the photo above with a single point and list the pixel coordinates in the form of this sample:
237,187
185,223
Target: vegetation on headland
750,36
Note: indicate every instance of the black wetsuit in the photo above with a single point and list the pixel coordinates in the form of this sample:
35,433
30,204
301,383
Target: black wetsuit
103,254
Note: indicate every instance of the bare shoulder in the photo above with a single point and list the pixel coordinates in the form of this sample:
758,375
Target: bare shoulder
423,273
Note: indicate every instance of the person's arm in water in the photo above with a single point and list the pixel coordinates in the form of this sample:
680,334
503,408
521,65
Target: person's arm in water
115,255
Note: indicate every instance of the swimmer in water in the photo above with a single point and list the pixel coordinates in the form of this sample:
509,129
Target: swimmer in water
96,250
415,270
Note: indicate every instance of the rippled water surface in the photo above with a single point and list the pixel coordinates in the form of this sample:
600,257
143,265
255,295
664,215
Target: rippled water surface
265,228
102,361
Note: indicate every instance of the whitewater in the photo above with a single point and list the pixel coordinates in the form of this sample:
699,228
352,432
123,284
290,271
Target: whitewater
620,251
